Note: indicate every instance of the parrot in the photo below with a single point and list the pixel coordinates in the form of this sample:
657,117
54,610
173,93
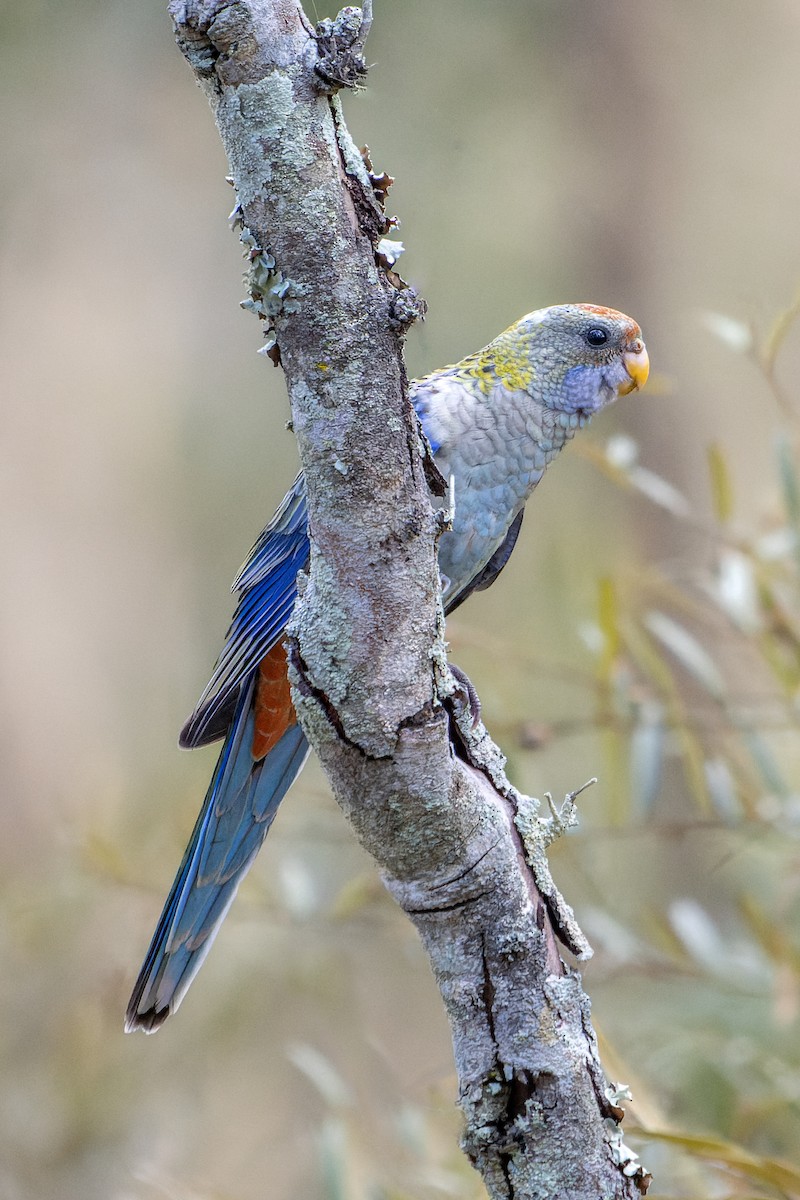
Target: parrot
494,422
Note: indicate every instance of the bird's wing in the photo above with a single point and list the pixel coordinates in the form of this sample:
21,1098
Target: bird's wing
486,577
268,588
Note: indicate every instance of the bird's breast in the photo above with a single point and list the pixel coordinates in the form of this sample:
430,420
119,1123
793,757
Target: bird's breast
496,447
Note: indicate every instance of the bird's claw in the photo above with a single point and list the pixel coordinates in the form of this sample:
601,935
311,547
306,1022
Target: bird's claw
464,695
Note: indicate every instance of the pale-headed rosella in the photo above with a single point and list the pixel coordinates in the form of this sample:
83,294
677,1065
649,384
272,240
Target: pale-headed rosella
494,422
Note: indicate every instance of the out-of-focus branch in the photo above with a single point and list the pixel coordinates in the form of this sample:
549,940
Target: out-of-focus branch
368,667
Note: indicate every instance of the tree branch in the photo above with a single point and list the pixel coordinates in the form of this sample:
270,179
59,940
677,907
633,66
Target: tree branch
422,785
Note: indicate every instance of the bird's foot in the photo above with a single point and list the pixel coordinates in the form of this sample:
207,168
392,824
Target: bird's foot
464,697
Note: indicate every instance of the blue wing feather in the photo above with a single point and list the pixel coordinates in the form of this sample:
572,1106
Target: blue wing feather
289,522
267,584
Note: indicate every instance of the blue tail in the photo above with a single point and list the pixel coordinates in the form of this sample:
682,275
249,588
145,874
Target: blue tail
238,810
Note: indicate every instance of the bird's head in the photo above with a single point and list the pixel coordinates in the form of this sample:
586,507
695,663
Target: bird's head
582,356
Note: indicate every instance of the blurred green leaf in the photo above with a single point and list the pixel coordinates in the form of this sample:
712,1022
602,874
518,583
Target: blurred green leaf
696,931
647,742
721,486
660,491
766,764
722,789
334,1156
732,332
607,619
653,664
737,589
769,932
688,651
787,474
358,893
757,1168
320,1071
778,333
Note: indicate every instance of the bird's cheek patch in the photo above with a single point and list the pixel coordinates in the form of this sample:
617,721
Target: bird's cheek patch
581,389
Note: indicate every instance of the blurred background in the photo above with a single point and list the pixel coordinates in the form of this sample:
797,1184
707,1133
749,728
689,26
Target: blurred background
647,630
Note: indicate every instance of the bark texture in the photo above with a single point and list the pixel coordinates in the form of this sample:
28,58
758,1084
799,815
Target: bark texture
368,665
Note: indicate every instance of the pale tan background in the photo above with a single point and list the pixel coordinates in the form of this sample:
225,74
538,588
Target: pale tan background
636,153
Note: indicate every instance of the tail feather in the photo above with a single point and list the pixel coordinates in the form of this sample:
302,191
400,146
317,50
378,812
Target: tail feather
230,843
240,805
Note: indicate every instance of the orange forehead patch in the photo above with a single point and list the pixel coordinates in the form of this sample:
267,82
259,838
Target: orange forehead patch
614,314
274,711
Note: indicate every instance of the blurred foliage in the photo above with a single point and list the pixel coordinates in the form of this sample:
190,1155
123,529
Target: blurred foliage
698,676
647,629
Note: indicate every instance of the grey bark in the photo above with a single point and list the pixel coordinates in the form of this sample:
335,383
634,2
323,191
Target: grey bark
460,851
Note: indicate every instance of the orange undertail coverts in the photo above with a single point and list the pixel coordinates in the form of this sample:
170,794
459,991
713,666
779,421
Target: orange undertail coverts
274,711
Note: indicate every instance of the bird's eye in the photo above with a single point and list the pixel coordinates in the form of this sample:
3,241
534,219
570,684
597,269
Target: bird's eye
596,336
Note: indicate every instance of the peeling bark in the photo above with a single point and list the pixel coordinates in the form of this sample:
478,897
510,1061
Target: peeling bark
421,783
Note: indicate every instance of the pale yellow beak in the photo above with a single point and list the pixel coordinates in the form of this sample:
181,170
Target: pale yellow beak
637,364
